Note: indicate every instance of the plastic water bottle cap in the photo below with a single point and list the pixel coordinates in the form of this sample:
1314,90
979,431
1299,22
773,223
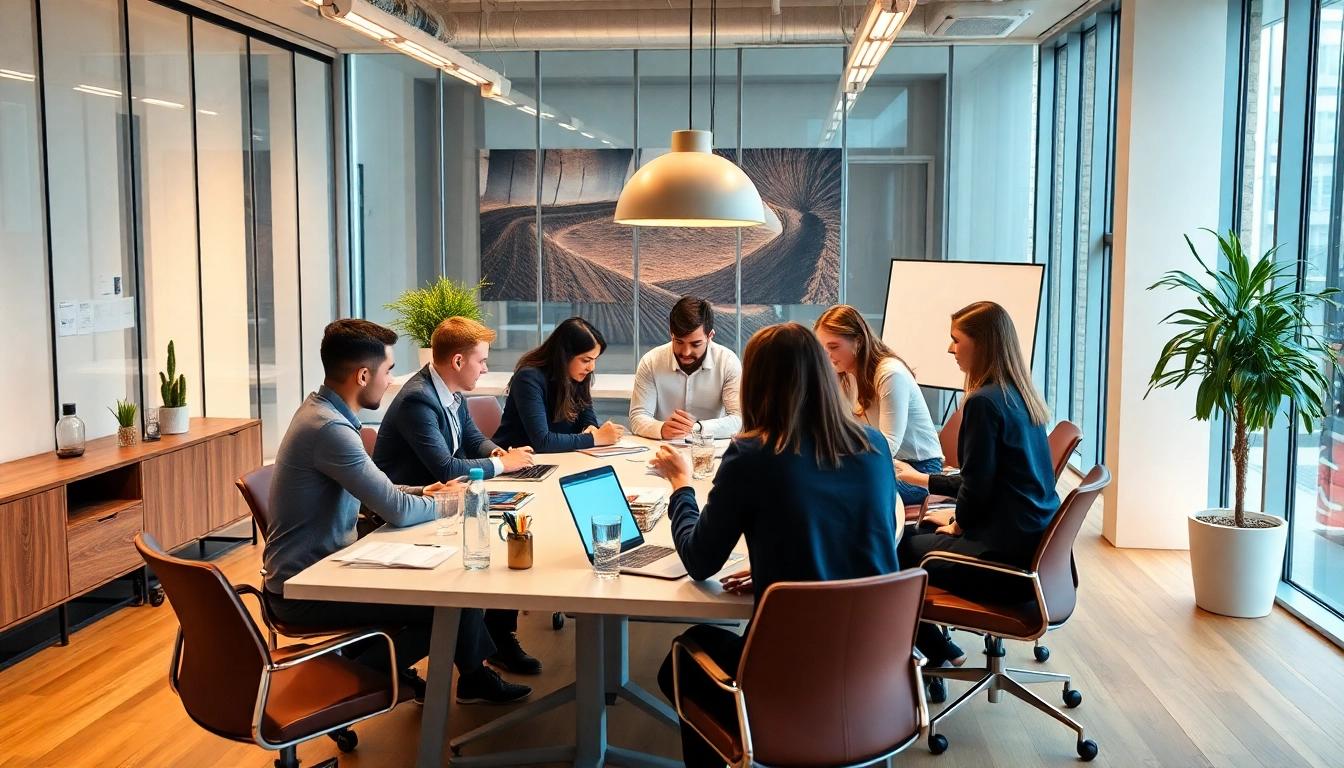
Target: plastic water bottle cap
476,473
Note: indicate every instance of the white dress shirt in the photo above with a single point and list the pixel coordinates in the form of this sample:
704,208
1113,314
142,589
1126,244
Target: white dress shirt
709,394
899,412
451,401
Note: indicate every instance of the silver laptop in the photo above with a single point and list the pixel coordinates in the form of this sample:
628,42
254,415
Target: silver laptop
598,492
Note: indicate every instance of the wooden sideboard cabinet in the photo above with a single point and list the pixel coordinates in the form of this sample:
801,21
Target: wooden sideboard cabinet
68,525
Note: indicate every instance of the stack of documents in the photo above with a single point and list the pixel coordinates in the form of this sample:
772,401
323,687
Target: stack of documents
390,554
648,506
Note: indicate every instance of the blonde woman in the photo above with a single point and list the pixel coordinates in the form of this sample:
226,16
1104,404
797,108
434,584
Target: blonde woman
882,391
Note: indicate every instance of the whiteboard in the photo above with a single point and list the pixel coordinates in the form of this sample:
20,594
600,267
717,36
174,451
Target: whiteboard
922,295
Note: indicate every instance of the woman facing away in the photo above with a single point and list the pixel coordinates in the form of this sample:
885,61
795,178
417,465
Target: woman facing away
550,402
1006,489
881,389
809,486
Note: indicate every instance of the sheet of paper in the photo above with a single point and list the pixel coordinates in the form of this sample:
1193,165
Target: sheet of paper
65,316
84,318
127,307
398,555
106,315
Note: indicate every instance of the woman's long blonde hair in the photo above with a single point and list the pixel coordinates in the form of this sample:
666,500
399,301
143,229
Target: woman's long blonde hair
869,350
998,355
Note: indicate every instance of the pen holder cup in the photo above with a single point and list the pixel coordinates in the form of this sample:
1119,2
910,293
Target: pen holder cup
520,551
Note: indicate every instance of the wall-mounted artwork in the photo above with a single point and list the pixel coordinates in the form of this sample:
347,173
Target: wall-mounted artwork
589,260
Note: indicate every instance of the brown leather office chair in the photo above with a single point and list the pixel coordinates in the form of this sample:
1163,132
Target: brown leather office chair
370,437
859,701
485,411
232,685
1056,595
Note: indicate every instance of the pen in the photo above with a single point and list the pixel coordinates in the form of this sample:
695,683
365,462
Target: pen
418,544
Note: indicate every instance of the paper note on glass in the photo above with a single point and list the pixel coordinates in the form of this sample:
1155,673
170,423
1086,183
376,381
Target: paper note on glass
65,319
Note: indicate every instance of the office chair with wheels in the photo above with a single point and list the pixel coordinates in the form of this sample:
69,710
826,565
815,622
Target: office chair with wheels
369,436
1055,597
487,414
853,694
234,686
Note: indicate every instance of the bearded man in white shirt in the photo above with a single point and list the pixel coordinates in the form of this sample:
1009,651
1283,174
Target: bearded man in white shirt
689,384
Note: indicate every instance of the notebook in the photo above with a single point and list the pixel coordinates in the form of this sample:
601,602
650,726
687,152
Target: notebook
390,554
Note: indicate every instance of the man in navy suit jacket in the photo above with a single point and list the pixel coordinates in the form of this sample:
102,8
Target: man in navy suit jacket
428,432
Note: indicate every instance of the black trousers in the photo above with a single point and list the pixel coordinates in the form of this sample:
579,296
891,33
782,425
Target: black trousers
499,622
725,648
963,581
412,642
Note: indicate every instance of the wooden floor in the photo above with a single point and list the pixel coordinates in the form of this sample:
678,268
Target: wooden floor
1163,684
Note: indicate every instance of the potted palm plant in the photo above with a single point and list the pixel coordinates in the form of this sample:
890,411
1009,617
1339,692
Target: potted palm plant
1253,350
174,418
420,310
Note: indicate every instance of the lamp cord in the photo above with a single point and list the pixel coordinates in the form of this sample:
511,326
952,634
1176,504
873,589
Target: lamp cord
690,70
713,58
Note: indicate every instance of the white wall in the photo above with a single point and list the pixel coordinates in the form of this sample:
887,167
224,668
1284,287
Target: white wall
1168,151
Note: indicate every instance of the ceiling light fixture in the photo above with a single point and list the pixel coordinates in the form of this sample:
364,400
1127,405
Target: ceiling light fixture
97,91
881,23
691,186
162,103
16,75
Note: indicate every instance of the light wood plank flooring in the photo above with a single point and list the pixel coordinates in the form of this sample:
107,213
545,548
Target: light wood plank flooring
1163,684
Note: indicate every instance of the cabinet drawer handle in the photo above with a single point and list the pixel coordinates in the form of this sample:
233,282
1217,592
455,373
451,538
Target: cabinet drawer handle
109,517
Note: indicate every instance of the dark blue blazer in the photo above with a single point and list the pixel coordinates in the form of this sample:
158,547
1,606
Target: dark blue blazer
527,418
801,522
415,442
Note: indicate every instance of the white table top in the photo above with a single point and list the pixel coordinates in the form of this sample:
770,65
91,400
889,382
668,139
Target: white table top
561,578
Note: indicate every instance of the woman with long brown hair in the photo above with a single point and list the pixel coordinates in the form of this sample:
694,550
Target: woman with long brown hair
881,390
810,488
1006,489
550,402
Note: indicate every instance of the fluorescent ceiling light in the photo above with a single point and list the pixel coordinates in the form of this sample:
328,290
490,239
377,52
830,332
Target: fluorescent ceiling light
567,126
361,24
206,112
604,141
505,101
96,91
419,52
16,75
162,103
527,109
585,133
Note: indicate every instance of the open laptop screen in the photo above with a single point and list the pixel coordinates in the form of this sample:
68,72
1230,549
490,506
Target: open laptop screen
598,492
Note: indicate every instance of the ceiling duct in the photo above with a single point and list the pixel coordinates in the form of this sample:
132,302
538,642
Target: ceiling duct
972,22
661,28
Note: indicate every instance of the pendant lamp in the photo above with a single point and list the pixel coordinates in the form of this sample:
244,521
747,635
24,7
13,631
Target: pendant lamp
691,186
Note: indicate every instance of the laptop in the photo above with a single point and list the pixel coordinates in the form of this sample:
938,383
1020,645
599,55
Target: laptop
598,492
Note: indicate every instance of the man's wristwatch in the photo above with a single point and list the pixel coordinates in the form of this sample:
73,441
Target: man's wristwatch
697,428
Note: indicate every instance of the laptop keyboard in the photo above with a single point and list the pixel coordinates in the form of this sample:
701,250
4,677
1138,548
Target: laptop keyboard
645,555
534,472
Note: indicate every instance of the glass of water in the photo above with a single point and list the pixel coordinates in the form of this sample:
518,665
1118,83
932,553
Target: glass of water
702,455
607,546
448,506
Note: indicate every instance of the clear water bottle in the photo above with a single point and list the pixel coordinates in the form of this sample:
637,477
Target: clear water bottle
69,433
476,532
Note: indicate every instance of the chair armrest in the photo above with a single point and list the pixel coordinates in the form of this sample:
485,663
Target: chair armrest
293,655
975,562
703,660
266,617
923,509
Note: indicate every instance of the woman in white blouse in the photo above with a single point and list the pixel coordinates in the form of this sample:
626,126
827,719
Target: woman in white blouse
882,391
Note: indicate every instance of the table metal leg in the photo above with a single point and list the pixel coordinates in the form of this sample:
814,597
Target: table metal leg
617,632
556,698
438,687
591,716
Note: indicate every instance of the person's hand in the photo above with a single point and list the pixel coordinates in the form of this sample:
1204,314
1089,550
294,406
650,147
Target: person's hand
499,452
737,583
911,476
951,529
678,425
450,486
515,459
608,434
673,465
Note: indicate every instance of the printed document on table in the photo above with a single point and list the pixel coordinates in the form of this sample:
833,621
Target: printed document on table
397,555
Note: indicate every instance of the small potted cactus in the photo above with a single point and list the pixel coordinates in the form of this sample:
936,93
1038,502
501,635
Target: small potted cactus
173,417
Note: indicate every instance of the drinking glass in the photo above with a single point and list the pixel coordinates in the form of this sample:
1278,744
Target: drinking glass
607,546
448,506
702,456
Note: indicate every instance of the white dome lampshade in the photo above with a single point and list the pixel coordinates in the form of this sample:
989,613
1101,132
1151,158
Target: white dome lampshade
690,187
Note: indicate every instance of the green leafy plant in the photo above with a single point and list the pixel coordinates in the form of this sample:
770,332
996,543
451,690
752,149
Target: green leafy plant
124,412
172,388
1250,344
419,311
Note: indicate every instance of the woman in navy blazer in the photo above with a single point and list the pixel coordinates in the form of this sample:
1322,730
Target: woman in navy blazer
550,403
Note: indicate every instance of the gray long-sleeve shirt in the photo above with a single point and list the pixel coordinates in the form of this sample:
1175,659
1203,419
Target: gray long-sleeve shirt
322,475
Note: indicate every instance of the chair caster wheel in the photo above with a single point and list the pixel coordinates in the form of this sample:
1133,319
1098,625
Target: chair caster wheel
557,621
937,691
938,744
156,596
1087,750
346,739
1041,653
1072,698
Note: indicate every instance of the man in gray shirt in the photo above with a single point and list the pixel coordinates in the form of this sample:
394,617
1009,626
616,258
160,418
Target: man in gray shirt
322,476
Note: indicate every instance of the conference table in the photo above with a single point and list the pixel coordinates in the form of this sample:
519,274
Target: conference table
561,579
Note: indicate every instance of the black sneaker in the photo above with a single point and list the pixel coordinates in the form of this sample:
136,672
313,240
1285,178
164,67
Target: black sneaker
510,657
410,678
485,686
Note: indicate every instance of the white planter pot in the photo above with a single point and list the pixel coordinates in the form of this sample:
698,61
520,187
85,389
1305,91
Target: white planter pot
426,356
174,421
1236,570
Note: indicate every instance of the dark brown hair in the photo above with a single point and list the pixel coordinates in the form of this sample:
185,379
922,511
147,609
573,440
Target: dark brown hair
690,313
789,391
570,339
351,344
998,355
869,350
